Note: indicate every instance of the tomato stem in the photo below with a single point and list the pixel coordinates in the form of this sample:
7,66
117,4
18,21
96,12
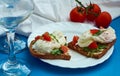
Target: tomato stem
80,3
89,8
79,9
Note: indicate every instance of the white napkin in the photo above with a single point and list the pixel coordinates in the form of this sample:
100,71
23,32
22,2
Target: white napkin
58,10
25,28
54,10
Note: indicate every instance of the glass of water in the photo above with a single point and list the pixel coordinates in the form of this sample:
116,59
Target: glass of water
12,13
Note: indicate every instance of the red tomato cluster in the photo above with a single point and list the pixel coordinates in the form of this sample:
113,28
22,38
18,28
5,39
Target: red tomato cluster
91,12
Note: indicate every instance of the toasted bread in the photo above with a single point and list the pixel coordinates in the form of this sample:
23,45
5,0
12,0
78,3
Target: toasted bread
37,54
94,55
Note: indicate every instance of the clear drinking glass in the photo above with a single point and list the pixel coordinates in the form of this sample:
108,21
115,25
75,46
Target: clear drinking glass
12,13
18,41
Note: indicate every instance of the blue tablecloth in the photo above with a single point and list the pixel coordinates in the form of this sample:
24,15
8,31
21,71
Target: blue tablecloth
110,67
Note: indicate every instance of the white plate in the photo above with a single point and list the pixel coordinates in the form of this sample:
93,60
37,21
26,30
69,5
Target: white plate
70,29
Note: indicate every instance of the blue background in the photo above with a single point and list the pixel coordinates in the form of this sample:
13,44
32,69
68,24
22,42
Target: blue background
110,67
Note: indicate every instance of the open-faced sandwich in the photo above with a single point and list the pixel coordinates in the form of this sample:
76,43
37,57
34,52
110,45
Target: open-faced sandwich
93,43
50,46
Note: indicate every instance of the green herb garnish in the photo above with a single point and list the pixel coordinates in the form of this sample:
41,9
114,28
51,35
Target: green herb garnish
92,51
56,52
98,33
100,46
53,37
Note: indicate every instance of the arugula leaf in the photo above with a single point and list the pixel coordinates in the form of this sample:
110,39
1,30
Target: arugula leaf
56,52
86,49
53,37
98,33
92,51
100,46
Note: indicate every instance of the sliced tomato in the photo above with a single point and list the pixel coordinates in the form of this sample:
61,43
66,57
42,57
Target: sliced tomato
64,49
93,45
46,36
94,31
75,40
73,43
37,38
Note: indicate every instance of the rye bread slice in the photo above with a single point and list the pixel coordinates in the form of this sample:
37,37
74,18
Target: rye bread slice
37,54
94,55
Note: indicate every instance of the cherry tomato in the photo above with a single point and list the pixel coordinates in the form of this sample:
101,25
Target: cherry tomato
77,14
92,11
103,20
